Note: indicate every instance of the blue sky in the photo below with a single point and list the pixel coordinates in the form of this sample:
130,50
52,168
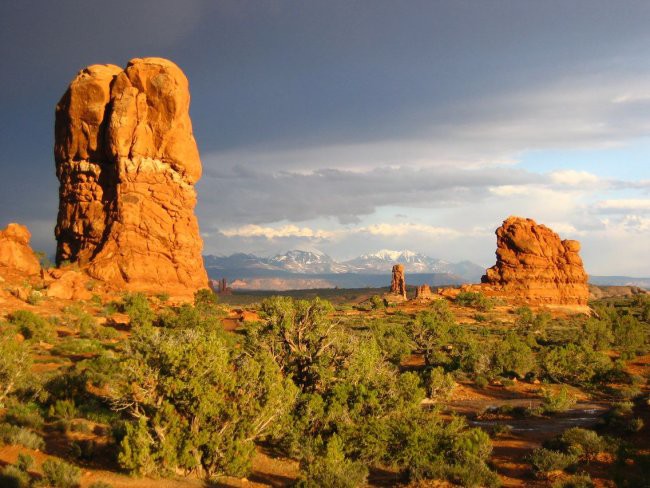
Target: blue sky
353,126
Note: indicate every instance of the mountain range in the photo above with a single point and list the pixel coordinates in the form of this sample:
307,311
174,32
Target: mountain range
314,269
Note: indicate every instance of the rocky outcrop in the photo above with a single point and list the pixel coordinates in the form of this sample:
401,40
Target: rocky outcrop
127,163
15,252
536,266
423,292
398,281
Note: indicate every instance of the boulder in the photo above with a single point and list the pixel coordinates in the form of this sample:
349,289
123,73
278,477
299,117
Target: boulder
423,292
15,252
127,163
535,266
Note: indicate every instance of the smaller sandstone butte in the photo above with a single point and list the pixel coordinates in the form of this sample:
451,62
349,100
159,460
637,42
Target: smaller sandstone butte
398,282
536,266
15,252
423,292
127,163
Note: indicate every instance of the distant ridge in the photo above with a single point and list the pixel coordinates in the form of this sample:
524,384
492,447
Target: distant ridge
620,281
314,269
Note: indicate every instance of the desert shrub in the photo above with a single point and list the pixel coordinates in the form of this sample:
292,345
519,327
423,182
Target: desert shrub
32,326
545,460
24,415
391,338
475,300
109,309
582,442
333,469
299,334
349,389
481,381
63,409
471,355
207,302
136,306
13,435
73,346
35,297
574,364
431,331
59,474
512,355
24,461
15,365
13,477
582,480
377,302
201,403
629,336
556,402
474,474
438,384
597,334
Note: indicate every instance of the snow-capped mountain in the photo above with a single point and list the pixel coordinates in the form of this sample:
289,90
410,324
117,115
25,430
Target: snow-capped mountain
315,262
382,261
306,262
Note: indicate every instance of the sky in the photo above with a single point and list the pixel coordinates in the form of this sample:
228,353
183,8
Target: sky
352,126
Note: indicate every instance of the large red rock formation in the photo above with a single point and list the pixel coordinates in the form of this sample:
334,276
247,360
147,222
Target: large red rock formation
15,252
127,163
536,266
398,281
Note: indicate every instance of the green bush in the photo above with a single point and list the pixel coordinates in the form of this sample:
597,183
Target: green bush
202,405
63,409
12,435
24,462
136,306
556,402
15,365
333,469
582,480
575,364
629,336
377,302
545,460
24,415
32,326
512,355
392,340
13,477
582,442
59,474
475,300
438,384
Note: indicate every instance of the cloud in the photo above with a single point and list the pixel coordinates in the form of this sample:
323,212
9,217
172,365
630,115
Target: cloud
393,230
259,196
573,178
623,205
277,232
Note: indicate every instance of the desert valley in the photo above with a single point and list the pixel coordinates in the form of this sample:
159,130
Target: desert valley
124,365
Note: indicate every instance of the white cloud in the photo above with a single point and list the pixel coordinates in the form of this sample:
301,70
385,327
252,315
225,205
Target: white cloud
624,205
284,231
573,178
391,230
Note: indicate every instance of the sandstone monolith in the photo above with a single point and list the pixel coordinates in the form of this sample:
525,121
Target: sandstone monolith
127,163
536,266
398,281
